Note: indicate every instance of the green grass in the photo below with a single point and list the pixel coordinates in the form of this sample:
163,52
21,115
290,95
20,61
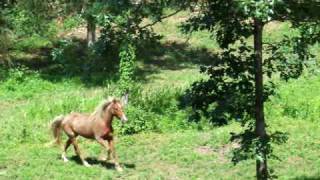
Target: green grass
175,153
168,147
167,156
169,28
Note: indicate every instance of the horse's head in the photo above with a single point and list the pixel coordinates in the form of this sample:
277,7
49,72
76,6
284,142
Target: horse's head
117,110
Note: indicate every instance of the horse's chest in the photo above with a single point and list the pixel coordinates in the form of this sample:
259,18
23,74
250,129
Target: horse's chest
107,133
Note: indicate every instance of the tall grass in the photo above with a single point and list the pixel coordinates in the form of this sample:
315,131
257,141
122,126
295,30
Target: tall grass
297,99
29,103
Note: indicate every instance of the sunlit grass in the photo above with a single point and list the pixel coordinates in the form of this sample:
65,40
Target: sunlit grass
178,150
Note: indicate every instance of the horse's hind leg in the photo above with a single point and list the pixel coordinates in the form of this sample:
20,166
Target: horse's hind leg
72,139
64,152
77,150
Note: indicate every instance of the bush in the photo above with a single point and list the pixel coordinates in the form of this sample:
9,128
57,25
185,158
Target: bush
71,55
154,110
25,23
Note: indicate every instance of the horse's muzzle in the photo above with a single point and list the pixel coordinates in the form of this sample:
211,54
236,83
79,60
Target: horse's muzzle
124,119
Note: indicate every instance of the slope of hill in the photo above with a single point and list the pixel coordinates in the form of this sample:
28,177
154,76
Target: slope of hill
178,149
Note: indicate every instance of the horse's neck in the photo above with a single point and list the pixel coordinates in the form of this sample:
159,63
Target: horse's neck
108,118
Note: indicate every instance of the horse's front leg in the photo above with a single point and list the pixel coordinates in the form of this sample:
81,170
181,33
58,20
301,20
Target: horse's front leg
114,155
104,150
111,151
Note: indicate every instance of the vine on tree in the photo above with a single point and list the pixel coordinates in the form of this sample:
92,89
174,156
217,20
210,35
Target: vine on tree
127,57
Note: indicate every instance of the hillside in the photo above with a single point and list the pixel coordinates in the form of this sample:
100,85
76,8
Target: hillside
159,142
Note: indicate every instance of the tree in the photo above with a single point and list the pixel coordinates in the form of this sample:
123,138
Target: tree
103,12
236,86
88,9
4,31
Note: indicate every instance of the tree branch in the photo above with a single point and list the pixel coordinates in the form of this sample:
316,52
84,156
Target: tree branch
161,18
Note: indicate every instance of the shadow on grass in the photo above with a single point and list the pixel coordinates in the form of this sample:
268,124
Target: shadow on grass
95,70
172,56
105,164
316,177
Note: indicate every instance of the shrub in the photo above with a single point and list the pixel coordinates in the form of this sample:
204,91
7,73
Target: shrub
71,55
127,66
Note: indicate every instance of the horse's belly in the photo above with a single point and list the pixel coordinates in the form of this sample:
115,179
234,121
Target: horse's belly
87,135
84,131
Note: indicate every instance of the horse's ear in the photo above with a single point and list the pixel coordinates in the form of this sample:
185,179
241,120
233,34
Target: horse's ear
124,98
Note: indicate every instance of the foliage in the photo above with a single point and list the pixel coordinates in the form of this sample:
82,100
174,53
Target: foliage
174,150
127,67
228,93
293,108
32,43
27,19
26,26
4,34
124,24
234,83
292,55
71,22
72,57
58,52
153,111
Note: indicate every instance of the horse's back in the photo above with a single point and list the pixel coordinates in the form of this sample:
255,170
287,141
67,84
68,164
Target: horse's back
79,123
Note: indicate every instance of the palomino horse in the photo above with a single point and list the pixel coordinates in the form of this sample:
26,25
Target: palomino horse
96,126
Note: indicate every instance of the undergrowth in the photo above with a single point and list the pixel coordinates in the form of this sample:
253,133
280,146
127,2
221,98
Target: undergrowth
31,102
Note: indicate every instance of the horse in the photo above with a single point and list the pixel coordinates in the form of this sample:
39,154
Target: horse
97,126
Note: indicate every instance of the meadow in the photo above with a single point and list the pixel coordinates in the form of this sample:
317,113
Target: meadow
159,141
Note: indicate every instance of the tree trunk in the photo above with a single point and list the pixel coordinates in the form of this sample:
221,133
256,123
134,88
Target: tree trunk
260,129
91,31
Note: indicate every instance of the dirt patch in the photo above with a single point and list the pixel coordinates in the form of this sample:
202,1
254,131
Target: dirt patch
3,170
205,150
295,160
273,26
227,148
79,33
221,152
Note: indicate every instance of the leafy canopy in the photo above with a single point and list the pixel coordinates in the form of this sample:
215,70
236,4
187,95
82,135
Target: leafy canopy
229,92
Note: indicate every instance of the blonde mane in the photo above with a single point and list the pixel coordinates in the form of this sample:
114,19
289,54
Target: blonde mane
99,111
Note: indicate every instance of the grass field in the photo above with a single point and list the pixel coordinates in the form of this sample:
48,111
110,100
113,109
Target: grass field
28,103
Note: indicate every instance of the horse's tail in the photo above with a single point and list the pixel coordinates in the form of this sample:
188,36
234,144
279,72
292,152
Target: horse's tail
56,128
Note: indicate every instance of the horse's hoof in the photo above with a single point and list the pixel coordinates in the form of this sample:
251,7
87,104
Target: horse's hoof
65,159
86,164
119,169
49,144
103,159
